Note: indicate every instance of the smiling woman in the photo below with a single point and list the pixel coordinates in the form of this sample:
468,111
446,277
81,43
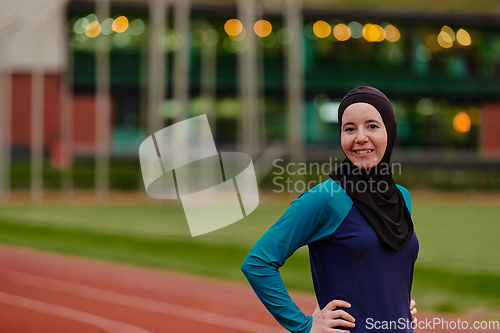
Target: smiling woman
358,228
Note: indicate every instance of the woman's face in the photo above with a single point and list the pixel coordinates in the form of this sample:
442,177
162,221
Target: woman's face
363,135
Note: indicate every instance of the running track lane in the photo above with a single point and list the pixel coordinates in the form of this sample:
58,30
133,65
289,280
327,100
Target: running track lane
42,292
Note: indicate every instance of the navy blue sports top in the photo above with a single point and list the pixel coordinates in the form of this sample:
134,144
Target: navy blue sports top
348,262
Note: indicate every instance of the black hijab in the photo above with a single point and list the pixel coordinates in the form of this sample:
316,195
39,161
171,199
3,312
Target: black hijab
373,190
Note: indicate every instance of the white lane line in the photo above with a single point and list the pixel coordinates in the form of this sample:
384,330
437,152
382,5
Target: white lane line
108,325
140,303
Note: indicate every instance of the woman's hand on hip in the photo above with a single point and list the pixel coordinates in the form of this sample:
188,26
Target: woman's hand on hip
324,320
413,310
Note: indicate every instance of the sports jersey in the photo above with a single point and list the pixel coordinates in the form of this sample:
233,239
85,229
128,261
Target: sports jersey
348,262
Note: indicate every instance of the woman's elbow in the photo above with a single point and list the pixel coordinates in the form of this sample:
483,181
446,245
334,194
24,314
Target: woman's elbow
245,266
252,266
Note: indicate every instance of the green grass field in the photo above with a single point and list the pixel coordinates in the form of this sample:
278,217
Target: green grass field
458,268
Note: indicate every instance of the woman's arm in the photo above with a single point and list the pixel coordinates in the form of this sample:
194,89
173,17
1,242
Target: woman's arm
309,218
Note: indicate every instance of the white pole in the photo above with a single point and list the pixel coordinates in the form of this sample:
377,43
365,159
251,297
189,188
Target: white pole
5,117
37,119
103,114
7,29
261,110
295,82
67,127
208,75
248,81
180,84
37,106
157,64
181,58
208,78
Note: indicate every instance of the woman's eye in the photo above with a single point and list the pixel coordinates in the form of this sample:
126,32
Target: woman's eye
373,126
349,129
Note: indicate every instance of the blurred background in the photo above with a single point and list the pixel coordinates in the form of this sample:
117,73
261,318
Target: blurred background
83,83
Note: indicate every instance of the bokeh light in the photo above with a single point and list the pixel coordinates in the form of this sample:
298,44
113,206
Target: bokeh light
233,27
373,32
444,39
392,33
93,29
461,122
106,26
342,32
377,33
262,28
284,36
366,35
172,41
449,31
92,17
120,24
425,106
356,29
423,54
210,37
136,27
239,36
322,29
81,25
463,37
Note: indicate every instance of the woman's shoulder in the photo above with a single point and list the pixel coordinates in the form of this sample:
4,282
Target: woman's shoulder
404,191
406,196
328,194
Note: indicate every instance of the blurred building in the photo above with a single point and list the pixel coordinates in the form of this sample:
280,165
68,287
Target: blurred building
439,66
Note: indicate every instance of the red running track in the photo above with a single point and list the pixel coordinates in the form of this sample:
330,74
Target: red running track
42,292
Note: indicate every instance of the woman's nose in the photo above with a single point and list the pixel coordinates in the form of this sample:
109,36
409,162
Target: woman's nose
361,137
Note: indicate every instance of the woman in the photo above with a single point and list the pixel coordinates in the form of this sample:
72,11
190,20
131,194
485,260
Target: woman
362,245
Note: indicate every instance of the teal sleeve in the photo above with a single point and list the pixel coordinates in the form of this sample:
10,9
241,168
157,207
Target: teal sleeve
406,196
314,215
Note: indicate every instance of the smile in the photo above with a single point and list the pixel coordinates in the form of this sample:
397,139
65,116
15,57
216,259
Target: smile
363,151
